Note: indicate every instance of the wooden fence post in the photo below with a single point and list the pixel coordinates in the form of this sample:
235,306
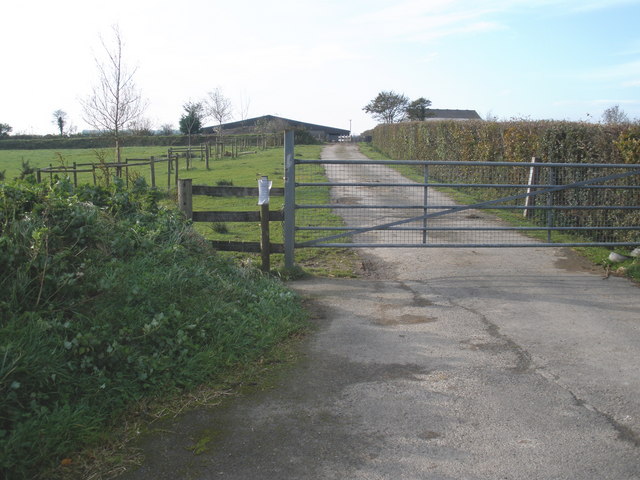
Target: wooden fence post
75,174
185,199
169,171
177,167
263,200
153,171
265,238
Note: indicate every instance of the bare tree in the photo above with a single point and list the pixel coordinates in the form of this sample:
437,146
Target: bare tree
115,101
614,115
219,107
244,108
60,119
166,129
141,127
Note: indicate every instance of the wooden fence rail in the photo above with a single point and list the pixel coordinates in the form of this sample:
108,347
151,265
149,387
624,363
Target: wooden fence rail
105,167
186,191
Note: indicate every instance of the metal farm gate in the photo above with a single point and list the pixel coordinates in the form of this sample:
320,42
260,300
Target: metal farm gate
369,203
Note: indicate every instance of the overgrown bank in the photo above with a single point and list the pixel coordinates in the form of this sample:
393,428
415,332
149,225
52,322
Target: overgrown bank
107,299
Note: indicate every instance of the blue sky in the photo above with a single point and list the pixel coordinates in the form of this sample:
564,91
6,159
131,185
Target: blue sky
323,61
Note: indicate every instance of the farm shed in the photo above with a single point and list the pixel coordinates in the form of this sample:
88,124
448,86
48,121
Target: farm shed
271,123
442,114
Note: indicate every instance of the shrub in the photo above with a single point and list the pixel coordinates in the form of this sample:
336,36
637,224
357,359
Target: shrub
108,298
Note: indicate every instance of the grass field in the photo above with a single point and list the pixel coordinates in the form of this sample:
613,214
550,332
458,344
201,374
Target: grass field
244,171
11,160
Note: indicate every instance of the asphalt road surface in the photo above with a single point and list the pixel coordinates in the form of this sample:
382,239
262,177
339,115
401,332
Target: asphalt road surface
438,364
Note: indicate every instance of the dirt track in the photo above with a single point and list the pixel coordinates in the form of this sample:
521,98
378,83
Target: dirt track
439,364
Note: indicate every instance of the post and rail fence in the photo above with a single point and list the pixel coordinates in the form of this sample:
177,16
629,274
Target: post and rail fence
121,169
232,146
186,191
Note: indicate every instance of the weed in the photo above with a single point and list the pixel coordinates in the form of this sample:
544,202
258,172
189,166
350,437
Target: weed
26,170
108,299
220,227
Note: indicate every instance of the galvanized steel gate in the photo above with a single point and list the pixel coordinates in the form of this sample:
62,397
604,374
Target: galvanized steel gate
368,203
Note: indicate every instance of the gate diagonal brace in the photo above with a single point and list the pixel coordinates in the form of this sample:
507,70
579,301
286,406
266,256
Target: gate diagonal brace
462,208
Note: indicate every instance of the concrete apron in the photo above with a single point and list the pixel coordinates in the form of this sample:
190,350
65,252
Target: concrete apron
452,364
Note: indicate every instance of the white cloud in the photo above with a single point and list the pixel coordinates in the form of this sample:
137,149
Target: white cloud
420,21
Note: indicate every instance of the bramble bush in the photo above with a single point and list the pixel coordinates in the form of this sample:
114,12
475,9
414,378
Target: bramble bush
107,298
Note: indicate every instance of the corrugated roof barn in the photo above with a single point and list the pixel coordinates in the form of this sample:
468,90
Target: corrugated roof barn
271,122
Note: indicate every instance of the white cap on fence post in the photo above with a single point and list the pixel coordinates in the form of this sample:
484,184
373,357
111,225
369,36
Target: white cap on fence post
264,186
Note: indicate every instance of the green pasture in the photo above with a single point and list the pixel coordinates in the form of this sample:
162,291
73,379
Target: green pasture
11,160
243,171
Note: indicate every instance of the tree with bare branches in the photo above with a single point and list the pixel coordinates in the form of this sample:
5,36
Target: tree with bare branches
219,107
244,108
614,116
115,101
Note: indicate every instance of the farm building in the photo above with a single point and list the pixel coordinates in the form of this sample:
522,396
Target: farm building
271,123
440,114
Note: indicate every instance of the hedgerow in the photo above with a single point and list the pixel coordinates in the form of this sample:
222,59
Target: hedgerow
519,141
515,141
106,299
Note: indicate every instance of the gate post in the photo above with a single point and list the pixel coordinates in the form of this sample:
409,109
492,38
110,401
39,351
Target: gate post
289,199
425,201
553,181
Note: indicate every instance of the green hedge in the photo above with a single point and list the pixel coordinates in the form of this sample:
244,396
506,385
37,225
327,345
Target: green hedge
30,142
519,141
49,142
562,142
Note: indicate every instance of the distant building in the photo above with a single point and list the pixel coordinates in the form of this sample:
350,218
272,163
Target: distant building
271,123
435,114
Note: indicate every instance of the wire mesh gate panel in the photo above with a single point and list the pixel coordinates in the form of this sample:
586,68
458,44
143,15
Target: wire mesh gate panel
366,203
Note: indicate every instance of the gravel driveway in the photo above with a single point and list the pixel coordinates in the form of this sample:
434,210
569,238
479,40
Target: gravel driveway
439,364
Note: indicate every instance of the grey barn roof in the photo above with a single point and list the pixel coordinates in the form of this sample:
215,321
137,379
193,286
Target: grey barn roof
441,114
252,122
